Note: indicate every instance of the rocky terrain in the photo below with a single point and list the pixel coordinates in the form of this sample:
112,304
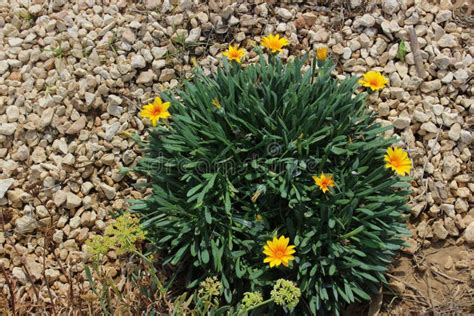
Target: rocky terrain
74,74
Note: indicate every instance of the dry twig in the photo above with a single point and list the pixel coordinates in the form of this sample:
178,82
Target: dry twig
10,288
435,270
409,286
415,48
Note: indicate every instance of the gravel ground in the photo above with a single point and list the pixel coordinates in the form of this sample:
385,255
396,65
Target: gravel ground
73,75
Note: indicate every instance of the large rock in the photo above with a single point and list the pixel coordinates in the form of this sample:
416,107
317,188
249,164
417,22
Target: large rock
167,75
138,62
366,20
146,77
77,126
442,61
8,129
284,14
439,230
5,185
448,40
402,122
34,268
469,234
20,275
72,200
52,274
390,6
429,86
193,36
108,190
3,67
25,225
159,52
59,198
13,113
450,167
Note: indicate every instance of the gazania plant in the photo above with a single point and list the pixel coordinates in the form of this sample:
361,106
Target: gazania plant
275,171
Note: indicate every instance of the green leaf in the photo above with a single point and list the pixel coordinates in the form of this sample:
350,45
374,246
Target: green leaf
179,254
238,271
255,274
194,190
353,233
205,256
402,51
207,215
361,293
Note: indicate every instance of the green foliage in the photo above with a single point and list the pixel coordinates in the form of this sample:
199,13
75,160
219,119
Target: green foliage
402,51
226,178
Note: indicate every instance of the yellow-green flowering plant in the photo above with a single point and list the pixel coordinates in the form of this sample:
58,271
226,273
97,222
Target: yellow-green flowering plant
124,236
253,154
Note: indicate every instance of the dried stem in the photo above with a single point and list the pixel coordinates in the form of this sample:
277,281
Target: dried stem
408,285
47,284
415,48
10,288
28,274
435,270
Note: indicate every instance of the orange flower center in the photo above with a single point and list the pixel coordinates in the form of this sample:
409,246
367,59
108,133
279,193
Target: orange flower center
279,253
374,82
156,111
274,43
395,161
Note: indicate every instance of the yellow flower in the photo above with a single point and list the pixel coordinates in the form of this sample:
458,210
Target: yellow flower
156,111
275,43
397,160
234,53
324,181
321,53
278,252
373,80
216,103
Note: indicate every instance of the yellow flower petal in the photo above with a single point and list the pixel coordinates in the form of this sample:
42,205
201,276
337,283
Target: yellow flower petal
324,181
274,43
276,262
397,160
373,80
234,53
278,251
156,111
268,252
322,53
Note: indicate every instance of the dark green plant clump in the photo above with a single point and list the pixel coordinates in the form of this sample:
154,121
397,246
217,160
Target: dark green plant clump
234,167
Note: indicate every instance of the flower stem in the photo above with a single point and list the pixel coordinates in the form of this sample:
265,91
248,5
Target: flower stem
313,69
259,305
